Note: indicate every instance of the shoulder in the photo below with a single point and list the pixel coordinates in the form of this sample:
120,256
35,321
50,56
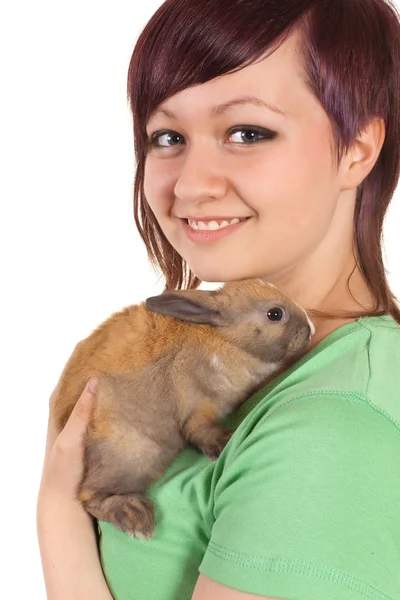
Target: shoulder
359,362
308,498
311,472
382,373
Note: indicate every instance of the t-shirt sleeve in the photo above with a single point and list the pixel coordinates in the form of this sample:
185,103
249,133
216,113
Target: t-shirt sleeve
306,506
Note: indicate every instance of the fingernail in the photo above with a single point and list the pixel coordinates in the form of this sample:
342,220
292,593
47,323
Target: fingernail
93,384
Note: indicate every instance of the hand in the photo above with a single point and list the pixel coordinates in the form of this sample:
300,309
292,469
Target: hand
64,455
66,532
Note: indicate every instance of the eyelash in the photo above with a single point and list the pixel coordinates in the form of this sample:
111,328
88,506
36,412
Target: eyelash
265,134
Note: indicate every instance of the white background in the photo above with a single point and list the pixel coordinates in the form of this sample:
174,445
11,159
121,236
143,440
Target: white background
70,253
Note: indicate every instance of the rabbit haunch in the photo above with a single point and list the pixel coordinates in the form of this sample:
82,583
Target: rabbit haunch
169,369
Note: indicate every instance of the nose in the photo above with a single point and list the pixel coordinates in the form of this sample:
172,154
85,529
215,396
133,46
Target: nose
201,177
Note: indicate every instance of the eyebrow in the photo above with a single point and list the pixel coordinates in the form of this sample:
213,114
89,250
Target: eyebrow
221,108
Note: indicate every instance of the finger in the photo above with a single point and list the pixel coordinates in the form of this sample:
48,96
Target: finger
78,421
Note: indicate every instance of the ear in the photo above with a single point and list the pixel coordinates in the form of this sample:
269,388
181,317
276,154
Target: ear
184,309
363,155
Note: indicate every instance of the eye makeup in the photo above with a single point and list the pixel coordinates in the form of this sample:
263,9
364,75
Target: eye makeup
260,134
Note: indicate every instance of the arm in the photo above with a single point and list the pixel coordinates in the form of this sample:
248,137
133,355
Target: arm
66,533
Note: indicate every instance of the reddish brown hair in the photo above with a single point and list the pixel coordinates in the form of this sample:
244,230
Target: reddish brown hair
351,53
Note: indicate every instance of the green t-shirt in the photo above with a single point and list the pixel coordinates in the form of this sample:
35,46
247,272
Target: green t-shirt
304,501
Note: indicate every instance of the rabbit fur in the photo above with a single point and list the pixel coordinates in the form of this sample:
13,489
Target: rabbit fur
168,370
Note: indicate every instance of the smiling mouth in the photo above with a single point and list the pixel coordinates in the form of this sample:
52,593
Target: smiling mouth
213,225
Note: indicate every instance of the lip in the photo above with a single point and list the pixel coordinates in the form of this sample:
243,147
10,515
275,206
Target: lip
211,236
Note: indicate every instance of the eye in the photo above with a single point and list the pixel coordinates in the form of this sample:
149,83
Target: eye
170,136
245,136
251,135
275,314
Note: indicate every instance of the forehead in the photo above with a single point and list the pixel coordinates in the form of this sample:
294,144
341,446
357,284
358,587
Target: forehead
277,79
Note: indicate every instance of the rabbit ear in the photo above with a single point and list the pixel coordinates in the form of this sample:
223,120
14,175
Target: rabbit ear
180,307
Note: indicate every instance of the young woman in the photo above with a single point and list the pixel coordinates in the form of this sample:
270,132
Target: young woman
285,117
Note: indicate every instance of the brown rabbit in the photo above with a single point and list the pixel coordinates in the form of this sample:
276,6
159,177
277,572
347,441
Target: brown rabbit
169,369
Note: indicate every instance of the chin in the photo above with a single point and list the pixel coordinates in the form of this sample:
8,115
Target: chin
208,277
216,274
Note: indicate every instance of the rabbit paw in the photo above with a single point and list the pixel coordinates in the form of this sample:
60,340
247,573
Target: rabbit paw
131,513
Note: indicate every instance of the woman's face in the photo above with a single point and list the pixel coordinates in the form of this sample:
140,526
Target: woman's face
245,161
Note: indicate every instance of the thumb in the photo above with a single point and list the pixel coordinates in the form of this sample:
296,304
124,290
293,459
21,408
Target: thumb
78,421
65,464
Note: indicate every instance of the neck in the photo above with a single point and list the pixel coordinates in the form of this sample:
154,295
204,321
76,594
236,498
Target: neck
343,294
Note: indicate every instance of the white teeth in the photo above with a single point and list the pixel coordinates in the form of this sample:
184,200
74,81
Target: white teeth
212,225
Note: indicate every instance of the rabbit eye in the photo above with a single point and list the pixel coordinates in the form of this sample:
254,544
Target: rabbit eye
275,314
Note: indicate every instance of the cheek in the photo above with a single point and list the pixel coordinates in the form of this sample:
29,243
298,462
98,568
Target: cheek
316,182
293,186
157,185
